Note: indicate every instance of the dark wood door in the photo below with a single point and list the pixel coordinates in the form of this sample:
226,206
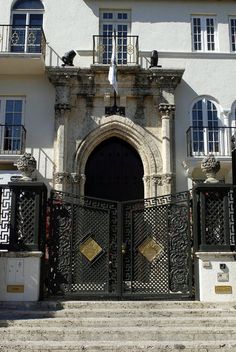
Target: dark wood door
114,171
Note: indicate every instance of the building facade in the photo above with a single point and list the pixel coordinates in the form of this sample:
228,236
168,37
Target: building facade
171,116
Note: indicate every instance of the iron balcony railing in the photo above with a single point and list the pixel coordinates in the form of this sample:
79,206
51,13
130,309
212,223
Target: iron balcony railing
12,139
22,39
126,49
204,140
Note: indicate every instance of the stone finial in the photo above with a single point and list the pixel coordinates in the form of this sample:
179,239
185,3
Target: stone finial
26,164
210,166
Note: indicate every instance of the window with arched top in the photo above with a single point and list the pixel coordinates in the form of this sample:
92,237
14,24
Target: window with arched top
205,134
27,21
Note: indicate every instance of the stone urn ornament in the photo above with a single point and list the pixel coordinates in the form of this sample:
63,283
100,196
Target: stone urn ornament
210,166
26,164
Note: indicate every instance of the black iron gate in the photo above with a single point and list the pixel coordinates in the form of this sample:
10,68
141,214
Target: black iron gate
101,248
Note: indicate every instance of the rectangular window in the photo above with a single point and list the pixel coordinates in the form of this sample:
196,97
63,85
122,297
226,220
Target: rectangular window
12,132
233,34
119,21
204,33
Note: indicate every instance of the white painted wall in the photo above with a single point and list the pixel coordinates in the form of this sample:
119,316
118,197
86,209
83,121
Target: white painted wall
162,25
39,117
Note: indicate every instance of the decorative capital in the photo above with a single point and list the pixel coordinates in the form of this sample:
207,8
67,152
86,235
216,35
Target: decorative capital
75,177
210,166
167,179
166,110
26,164
156,180
61,177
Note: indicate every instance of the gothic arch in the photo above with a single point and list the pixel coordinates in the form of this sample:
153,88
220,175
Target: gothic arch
135,135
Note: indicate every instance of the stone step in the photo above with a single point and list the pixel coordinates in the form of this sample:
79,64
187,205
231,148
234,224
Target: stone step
169,333
118,346
120,321
57,305
116,313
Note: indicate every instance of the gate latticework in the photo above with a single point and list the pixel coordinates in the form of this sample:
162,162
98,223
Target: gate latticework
110,249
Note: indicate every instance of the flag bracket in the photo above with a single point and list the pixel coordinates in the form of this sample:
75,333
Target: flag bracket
114,110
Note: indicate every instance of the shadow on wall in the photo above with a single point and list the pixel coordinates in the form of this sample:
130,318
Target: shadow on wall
45,165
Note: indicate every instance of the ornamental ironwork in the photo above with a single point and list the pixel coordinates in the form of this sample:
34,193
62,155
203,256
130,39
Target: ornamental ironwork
110,249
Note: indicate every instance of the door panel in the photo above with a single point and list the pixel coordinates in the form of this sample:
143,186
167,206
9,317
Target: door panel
114,171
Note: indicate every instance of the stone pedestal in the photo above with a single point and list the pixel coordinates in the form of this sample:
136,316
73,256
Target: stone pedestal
20,276
216,276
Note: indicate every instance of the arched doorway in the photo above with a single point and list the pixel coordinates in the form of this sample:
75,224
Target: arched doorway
114,170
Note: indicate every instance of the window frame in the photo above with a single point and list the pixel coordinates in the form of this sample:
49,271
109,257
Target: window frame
204,33
231,34
213,137
3,102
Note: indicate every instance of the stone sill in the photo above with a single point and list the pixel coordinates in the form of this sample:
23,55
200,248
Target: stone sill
35,254
214,254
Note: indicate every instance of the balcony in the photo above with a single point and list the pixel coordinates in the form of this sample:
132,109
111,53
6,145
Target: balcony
12,141
22,49
126,50
202,141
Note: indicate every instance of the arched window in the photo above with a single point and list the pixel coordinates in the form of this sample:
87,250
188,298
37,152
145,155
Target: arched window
205,127
27,21
28,5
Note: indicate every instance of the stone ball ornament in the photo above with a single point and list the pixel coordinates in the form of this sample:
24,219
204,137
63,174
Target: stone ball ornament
26,164
210,166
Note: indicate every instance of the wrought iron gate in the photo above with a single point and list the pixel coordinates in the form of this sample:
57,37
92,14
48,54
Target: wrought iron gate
139,249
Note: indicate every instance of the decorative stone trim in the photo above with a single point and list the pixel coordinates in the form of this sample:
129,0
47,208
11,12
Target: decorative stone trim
165,78
167,179
156,180
166,110
75,178
61,177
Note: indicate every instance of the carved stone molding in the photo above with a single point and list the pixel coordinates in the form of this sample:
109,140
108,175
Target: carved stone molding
75,178
166,110
167,179
165,78
62,177
156,180
153,179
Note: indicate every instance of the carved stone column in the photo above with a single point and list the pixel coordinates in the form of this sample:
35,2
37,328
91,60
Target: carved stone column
62,83
167,114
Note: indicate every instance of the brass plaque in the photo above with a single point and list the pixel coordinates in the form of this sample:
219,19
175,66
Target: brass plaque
90,249
150,249
15,288
223,289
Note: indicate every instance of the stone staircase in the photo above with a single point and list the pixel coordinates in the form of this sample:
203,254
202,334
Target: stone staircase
93,326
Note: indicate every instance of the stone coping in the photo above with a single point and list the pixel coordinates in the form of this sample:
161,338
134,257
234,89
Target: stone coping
214,254
35,254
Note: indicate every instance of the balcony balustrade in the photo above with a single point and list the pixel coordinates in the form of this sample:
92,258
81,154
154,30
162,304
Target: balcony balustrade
12,139
202,141
22,39
126,49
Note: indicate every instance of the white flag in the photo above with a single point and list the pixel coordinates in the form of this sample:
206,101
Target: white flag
112,69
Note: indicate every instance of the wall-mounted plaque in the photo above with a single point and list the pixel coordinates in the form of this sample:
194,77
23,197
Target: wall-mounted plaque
15,288
223,289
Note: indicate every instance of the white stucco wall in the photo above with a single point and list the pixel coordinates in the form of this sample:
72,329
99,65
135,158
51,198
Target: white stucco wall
162,25
38,119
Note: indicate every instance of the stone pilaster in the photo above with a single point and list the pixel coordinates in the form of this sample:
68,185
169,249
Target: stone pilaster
167,114
62,82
